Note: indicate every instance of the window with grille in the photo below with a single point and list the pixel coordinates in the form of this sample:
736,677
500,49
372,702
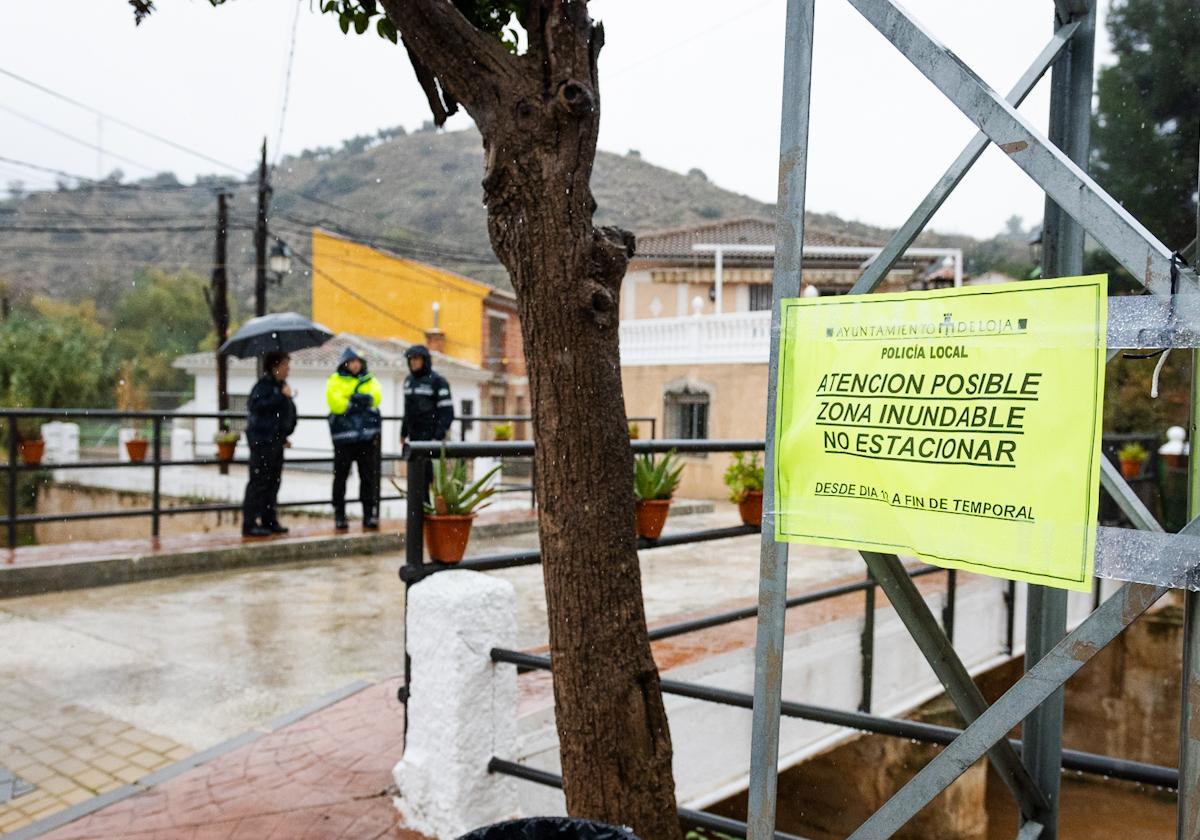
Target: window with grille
687,414
760,297
496,330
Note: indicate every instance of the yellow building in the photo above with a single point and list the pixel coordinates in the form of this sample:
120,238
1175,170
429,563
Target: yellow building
366,291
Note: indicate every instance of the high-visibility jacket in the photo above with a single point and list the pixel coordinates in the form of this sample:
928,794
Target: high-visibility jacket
341,386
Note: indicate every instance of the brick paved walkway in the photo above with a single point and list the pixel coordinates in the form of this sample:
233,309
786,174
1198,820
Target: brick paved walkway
69,754
323,777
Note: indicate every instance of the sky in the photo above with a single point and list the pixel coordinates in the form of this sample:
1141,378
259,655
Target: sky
688,83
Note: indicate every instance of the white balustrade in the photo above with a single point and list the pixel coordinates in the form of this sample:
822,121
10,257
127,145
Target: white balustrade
737,338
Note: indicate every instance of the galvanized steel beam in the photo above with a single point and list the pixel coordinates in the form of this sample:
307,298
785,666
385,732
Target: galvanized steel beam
773,558
908,232
1062,256
1067,657
1188,821
1062,179
906,600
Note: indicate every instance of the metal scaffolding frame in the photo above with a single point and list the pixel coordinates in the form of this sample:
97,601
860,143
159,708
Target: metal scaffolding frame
1075,205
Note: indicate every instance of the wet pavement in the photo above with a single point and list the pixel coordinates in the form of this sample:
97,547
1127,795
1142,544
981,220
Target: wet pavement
180,664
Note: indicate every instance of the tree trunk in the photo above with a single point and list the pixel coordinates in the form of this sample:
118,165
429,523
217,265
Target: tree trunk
539,114
614,740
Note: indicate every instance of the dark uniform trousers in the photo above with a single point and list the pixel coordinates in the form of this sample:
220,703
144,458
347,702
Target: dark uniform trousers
262,490
364,455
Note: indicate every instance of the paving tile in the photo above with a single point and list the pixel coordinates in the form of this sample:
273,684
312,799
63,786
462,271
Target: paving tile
74,797
109,763
70,766
49,756
36,773
147,760
129,773
123,748
57,785
93,779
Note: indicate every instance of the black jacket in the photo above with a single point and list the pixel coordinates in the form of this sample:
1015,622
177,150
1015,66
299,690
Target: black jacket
270,416
428,407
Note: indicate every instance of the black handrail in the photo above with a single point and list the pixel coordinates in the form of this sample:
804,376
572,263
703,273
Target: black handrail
1118,768
156,462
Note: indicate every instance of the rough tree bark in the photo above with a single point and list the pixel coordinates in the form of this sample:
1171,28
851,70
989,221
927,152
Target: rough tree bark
539,114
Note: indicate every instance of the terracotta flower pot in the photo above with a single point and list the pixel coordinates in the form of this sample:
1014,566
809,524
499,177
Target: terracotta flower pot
136,447
225,451
750,507
1131,468
32,451
651,517
446,536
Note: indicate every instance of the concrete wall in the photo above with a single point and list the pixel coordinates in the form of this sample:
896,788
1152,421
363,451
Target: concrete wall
737,409
821,665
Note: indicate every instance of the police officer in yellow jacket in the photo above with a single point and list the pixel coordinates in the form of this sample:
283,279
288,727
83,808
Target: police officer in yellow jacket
353,394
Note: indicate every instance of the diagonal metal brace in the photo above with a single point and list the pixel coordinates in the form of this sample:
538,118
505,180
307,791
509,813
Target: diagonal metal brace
944,660
1062,179
907,233
1067,657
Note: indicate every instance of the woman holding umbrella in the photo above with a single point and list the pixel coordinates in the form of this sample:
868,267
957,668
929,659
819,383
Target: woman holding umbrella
271,419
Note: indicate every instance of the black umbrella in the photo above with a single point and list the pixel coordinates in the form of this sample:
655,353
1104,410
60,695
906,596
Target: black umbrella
280,332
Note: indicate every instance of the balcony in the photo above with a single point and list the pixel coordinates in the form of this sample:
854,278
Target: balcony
736,338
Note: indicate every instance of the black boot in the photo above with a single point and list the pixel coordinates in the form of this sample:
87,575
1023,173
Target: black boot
370,521
339,521
276,528
255,531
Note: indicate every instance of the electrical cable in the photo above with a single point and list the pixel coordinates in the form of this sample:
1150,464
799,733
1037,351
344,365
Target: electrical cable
74,139
119,121
287,88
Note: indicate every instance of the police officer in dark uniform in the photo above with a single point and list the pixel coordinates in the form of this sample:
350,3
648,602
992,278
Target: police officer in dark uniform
271,418
428,408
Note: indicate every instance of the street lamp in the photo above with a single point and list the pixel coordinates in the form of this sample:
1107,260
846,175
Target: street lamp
280,261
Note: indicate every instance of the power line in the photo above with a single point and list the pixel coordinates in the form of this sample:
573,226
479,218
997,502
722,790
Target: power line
287,88
73,138
119,121
101,229
94,184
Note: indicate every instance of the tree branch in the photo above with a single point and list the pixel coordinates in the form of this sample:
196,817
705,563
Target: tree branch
471,66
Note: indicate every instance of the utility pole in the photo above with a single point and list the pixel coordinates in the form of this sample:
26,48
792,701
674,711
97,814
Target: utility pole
260,236
220,305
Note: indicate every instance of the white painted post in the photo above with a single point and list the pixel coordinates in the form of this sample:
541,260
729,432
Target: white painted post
183,444
462,708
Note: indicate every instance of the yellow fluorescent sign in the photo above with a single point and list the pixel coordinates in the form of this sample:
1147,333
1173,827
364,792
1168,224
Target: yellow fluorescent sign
962,426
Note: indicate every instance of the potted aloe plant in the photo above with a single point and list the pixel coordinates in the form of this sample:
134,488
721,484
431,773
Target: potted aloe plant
503,431
451,508
654,483
1132,456
744,478
635,431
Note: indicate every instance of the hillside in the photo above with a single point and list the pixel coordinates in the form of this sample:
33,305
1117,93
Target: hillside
418,194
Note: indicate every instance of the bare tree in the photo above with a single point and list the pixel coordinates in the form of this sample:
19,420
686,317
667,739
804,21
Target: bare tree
539,113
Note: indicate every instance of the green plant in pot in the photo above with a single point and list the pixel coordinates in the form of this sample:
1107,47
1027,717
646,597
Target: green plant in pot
227,441
29,440
503,431
1132,456
654,483
744,478
453,503
132,397
635,431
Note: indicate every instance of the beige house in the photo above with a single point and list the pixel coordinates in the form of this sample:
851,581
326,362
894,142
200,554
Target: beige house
696,326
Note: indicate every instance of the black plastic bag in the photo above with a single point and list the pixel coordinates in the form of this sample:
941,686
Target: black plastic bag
550,828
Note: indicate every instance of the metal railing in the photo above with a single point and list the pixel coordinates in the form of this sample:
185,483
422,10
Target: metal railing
156,461
416,568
